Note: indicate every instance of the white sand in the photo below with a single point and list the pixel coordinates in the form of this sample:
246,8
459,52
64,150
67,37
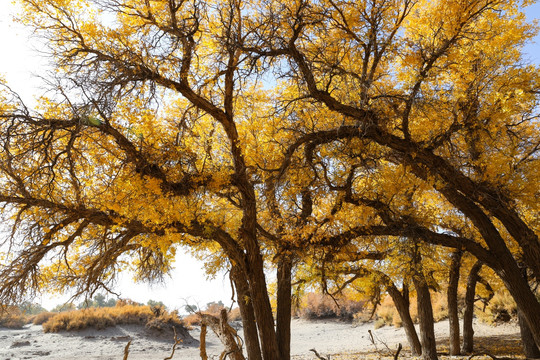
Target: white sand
328,337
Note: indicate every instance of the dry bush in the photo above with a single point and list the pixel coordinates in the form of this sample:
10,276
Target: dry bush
501,308
318,306
440,306
195,320
234,315
43,317
101,318
12,318
386,314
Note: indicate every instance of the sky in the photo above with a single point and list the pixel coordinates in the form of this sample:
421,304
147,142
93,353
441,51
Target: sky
21,65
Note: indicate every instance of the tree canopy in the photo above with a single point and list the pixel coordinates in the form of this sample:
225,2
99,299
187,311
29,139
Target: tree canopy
260,131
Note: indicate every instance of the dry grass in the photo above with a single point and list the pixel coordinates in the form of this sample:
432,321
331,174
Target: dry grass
12,318
100,318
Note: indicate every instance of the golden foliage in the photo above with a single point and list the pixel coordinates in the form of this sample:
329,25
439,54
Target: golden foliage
101,318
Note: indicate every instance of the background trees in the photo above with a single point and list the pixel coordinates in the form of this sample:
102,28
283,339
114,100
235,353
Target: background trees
257,130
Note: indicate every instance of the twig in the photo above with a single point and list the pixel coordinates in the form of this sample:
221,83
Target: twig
488,354
126,350
319,356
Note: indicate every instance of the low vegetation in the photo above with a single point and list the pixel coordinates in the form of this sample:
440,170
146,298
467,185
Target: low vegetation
12,318
122,314
212,308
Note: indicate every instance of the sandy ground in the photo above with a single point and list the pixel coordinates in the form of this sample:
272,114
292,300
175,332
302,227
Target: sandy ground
327,337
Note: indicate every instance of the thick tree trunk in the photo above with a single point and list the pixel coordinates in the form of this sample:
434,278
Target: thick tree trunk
468,331
402,306
530,349
283,312
425,314
245,303
452,296
262,308
522,294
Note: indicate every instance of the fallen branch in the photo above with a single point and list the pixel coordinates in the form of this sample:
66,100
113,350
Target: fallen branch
488,354
319,356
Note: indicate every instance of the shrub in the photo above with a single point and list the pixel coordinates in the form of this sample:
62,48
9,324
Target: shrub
121,314
500,309
12,318
195,320
318,306
42,317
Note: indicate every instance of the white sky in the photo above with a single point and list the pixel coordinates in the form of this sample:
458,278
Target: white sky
21,66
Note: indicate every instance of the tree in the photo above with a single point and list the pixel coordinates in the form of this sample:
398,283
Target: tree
433,83
253,130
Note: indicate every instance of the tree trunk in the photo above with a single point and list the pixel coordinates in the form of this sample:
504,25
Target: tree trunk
283,312
402,306
425,314
245,303
468,331
452,296
262,307
522,294
530,349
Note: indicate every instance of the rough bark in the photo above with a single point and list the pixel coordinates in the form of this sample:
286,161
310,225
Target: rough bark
402,306
283,312
262,308
202,345
522,294
251,335
452,296
530,349
226,334
425,314
468,331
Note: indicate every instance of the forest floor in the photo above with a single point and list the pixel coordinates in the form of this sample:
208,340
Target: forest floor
340,340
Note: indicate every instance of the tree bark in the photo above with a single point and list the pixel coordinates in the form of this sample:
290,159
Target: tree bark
468,331
425,314
251,335
283,311
402,306
452,296
530,349
262,308
524,297
225,333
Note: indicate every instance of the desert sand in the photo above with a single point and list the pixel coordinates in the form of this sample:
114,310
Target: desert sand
327,337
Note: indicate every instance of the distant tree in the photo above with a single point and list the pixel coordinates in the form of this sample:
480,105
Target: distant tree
191,308
29,308
155,303
64,307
